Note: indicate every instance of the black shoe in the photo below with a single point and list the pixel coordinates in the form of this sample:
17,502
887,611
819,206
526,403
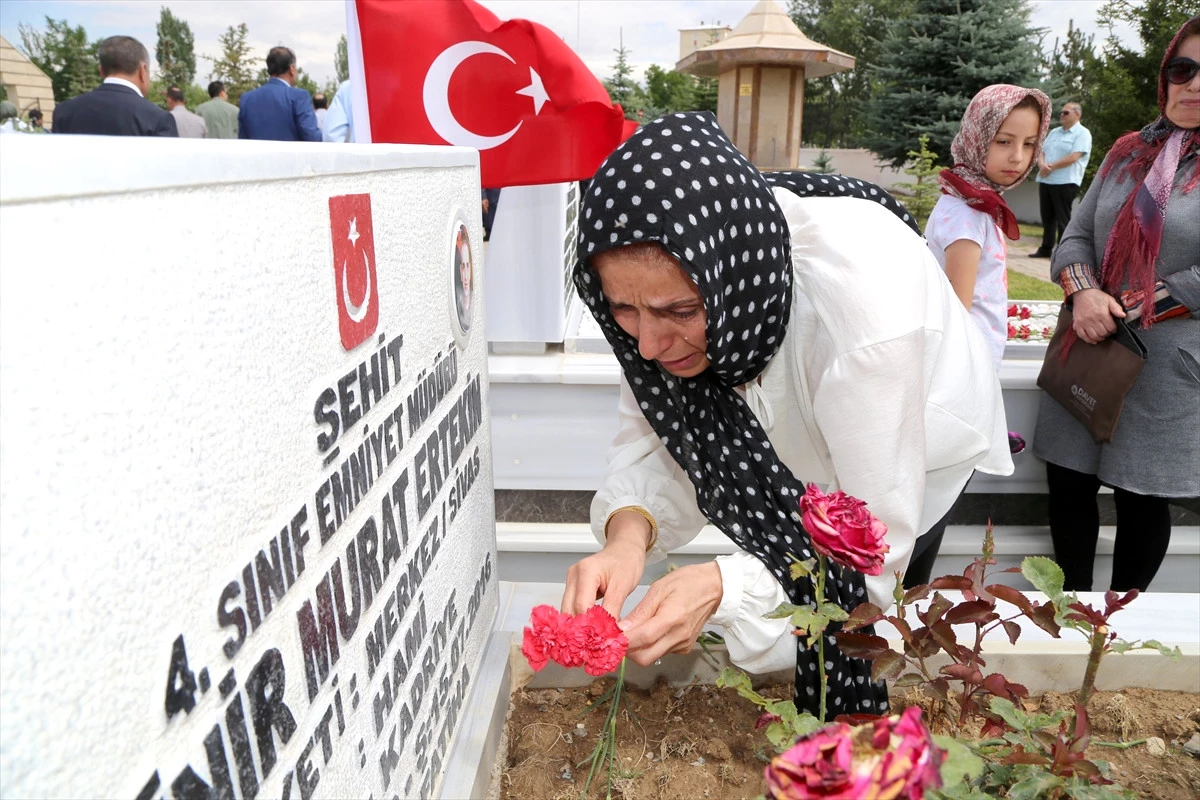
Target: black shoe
1039,254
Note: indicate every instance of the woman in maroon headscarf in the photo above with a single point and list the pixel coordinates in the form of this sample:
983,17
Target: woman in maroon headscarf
1133,251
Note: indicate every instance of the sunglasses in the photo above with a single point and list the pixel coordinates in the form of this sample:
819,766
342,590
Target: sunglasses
1181,70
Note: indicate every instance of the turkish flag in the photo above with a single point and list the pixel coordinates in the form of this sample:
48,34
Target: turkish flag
451,72
356,287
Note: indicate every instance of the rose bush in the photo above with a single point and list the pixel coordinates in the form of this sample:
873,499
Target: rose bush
843,530
893,758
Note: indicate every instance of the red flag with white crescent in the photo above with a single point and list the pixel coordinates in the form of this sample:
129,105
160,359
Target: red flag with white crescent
451,72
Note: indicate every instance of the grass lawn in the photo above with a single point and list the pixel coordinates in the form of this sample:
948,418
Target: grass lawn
1031,232
1023,287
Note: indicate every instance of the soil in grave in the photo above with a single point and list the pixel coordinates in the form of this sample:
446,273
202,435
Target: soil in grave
698,741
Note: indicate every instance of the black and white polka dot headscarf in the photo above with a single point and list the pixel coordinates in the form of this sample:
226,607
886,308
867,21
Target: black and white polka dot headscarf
680,182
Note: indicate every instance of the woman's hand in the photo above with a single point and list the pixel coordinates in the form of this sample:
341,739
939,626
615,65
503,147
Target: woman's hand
1093,311
612,573
673,612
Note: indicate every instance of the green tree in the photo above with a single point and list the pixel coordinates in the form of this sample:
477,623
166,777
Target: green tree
668,90
234,67
1066,66
341,60
622,88
835,105
174,52
934,61
921,195
65,55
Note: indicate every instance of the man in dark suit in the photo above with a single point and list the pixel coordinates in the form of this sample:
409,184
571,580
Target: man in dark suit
117,107
277,110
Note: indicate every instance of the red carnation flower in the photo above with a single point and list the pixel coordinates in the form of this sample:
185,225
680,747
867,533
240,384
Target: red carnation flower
1025,312
1012,331
1012,310
550,633
602,643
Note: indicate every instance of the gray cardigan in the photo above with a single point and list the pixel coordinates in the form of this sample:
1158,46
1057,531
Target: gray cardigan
1156,447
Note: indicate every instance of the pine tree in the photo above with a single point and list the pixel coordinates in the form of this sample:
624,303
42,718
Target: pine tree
934,61
234,67
65,55
1066,65
621,86
174,52
834,105
341,60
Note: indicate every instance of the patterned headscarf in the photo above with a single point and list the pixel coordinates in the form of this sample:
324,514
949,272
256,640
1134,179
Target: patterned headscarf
1150,157
679,182
966,179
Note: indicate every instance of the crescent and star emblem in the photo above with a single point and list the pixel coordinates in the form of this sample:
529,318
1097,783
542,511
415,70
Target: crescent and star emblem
357,313
437,101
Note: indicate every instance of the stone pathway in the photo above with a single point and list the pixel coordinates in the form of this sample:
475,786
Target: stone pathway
1019,260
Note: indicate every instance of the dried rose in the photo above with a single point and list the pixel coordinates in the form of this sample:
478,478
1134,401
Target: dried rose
889,758
602,643
843,530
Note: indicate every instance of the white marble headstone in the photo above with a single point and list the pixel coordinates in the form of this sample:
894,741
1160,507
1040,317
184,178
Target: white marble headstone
247,538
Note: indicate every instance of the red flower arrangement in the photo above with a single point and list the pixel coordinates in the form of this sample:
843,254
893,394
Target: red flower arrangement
591,640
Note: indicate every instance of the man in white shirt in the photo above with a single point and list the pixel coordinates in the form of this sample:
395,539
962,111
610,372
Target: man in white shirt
191,126
339,121
1061,166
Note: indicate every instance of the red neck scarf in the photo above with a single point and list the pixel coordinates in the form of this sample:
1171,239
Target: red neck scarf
966,179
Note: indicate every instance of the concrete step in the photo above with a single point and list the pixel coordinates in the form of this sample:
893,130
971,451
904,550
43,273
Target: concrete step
542,552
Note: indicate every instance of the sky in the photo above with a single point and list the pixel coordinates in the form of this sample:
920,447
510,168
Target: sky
311,28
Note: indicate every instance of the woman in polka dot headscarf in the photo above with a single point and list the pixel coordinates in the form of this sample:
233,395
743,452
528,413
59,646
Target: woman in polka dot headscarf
772,331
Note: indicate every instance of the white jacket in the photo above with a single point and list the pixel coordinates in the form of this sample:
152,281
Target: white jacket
883,388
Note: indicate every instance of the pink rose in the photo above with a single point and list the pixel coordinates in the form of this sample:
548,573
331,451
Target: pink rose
842,529
893,757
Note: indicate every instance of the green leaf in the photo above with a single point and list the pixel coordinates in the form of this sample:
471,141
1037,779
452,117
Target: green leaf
833,612
1012,716
1034,783
782,611
1172,653
909,679
1080,789
803,618
961,764
803,569
1046,576
780,736
733,678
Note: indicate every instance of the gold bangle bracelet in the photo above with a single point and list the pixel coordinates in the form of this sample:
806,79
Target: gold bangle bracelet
637,510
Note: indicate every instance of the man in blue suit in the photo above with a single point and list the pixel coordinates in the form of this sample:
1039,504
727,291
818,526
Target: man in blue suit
277,110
